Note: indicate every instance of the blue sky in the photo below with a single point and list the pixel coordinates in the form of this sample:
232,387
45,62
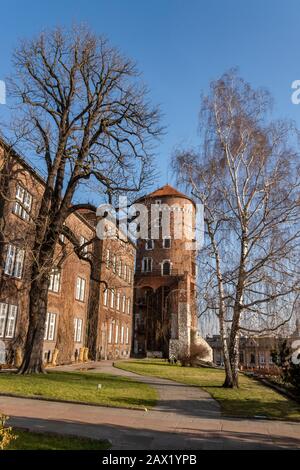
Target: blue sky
179,45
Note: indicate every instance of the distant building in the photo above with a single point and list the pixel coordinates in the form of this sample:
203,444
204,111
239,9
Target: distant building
254,352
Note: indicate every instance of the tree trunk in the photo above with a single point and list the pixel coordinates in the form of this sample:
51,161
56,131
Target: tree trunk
234,360
33,353
228,383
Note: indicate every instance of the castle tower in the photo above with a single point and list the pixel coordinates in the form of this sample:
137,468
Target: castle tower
165,317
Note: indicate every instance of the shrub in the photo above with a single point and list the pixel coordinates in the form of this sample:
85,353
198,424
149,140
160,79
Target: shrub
290,372
6,433
197,352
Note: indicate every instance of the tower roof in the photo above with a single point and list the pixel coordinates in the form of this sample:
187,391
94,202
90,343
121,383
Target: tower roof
167,190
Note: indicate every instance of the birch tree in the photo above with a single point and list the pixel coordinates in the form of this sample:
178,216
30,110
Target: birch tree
246,174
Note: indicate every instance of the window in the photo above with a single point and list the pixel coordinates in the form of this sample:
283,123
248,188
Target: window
114,264
117,334
118,301
50,326
167,242
83,241
125,271
107,259
120,268
80,289
8,317
122,335
128,306
77,330
112,298
127,335
158,202
110,333
61,235
54,281
123,303
147,265
262,359
105,297
166,268
14,261
149,244
23,203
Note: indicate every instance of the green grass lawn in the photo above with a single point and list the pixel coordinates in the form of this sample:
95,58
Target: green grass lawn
251,399
38,441
81,387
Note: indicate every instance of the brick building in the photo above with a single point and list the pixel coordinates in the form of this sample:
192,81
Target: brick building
165,317
89,304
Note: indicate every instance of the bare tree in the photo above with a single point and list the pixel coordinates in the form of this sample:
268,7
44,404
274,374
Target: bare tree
247,176
85,114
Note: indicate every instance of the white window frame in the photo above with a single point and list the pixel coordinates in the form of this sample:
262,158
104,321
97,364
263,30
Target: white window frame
147,244
128,306
50,326
262,357
23,205
78,322
127,335
80,288
120,268
114,263
105,297
8,319
83,241
122,334
145,263
110,333
117,334
54,281
123,303
125,271
14,262
112,298
118,301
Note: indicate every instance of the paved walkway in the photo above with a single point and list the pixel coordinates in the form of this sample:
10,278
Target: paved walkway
184,418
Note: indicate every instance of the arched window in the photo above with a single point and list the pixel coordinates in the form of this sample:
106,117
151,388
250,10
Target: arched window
166,268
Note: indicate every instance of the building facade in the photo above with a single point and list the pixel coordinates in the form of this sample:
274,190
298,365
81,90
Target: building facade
165,316
79,290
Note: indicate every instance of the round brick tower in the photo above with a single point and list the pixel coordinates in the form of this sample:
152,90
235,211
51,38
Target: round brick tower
165,277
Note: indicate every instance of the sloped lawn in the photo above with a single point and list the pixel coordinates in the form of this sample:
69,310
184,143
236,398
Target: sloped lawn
250,400
80,387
